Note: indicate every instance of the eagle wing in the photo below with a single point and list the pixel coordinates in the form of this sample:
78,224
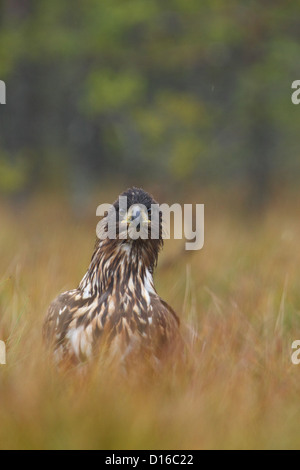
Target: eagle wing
60,315
78,329
132,336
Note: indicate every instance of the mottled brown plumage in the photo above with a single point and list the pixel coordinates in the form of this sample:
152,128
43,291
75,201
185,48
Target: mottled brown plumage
115,312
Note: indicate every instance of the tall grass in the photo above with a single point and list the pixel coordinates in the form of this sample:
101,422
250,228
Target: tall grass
239,303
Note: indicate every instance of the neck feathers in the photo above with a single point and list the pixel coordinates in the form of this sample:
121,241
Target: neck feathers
120,268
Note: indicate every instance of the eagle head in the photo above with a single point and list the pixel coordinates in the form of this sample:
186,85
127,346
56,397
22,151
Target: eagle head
133,225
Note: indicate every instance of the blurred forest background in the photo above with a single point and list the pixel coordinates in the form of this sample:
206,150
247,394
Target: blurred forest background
190,99
180,91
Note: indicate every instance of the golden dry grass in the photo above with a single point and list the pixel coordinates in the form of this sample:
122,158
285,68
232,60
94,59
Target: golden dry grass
240,293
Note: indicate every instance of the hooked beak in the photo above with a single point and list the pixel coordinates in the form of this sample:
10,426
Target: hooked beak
136,214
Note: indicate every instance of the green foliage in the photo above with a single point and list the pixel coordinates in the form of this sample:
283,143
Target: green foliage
178,86
13,176
110,92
